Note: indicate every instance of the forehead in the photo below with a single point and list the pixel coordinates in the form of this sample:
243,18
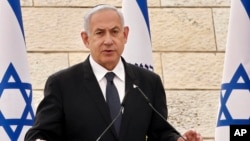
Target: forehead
105,17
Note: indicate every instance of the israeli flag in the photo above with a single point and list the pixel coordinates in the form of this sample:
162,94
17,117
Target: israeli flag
235,89
16,112
138,49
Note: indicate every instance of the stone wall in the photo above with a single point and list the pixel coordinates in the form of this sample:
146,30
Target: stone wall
188,38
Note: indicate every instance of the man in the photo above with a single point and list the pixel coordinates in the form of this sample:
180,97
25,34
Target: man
76,103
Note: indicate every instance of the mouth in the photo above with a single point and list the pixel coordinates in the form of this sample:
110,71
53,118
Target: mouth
108,51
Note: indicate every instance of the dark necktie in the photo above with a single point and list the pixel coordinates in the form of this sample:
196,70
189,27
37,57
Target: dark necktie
113,100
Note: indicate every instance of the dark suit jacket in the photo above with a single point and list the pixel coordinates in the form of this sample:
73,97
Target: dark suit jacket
74,108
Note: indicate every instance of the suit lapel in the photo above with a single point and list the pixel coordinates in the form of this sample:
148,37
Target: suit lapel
129,99
95,93
94,90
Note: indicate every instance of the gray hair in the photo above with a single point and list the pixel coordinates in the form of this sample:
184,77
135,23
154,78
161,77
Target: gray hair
97,9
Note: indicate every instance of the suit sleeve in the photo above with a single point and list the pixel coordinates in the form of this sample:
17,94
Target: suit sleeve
49,116
160,129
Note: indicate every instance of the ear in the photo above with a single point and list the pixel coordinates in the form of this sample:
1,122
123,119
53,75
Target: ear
126,31
85,38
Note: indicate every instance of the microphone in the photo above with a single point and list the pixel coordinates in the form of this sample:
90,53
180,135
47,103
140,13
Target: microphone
153,108
111,123
116,117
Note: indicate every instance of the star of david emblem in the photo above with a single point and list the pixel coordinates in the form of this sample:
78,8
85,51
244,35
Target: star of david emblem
16,112
238,87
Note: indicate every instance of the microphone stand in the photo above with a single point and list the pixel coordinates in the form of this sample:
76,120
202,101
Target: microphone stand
116,117
107,128
150,105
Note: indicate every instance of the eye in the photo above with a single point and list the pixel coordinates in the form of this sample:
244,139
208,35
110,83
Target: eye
99,33
115,31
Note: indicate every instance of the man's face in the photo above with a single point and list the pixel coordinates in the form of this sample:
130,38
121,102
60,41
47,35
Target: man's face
106,38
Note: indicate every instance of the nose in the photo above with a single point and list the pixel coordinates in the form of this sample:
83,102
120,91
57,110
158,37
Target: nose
108,39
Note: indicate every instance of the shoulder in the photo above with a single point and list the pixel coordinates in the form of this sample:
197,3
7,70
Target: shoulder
69,71
74,72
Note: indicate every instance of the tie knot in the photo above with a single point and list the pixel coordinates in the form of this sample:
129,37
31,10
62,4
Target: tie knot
110,76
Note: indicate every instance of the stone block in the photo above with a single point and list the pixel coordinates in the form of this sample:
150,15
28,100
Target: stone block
37,98
75,58
26,2
44,64
86,3
193,109
192,70
157,64
221,20
53,29
196,3
182,29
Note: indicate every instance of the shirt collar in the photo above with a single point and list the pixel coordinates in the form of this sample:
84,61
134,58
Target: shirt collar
100,71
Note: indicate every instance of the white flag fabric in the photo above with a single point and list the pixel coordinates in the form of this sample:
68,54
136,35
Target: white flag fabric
138,49
235,89
16,111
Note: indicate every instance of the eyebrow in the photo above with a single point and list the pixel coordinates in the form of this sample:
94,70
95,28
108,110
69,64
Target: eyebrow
115,27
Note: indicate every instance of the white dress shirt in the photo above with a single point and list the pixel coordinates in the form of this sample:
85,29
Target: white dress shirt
119,79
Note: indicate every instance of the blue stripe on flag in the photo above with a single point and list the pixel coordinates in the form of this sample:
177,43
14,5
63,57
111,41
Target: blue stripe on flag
246,4
15,5
144,9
